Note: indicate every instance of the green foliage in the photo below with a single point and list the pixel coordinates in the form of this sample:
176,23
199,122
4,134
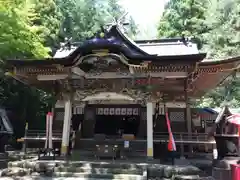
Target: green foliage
184,17
48,18
83,18
216,26
224,38
26,103
34,29
19,37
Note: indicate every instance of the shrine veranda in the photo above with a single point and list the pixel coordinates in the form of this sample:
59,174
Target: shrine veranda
111,79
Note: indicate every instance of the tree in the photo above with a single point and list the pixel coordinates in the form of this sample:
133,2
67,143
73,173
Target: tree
223,41
224,38
217,30
19,38
184,17
83,18
30,29
48,18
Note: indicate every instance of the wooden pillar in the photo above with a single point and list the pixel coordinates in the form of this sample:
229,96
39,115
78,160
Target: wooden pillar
66,124
150,130
188,116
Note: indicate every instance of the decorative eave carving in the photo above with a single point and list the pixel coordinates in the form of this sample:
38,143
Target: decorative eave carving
45,70
163,68
209,75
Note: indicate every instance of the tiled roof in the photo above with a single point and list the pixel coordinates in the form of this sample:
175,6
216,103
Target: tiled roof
169,48
64,52
232,110
159,49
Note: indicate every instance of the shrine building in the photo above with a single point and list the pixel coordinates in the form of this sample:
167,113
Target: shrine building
109,84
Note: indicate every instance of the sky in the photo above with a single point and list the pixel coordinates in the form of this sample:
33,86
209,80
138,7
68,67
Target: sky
146,14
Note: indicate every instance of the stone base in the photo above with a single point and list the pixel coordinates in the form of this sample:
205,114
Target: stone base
3,164
222,168
111,170
182,162
3,160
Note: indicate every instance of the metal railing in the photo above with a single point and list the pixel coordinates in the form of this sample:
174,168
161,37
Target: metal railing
42,133
182,138
32,135
194,138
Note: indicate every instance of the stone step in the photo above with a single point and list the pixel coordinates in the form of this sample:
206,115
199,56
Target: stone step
183,177
50,173
90,165
3,160
99,176
100,165
164,171
3,164
99,170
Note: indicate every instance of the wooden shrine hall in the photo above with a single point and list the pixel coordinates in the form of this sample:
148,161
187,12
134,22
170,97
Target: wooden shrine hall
110,83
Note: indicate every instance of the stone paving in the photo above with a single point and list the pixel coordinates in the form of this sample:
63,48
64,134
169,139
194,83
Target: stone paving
27,169
59,170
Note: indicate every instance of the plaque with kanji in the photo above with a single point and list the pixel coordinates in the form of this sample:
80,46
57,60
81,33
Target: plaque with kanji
135,111
123,111
112,111
106,111
100,111
117,111
129,111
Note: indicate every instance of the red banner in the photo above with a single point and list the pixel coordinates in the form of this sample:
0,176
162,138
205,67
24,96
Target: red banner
171,142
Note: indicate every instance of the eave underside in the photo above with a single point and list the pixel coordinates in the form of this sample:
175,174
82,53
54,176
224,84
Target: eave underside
200,79
212,74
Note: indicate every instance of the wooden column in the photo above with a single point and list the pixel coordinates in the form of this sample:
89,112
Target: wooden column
188,116
66,124
149,130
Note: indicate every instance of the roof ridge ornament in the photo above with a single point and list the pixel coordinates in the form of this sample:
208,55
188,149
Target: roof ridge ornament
118,23
67,44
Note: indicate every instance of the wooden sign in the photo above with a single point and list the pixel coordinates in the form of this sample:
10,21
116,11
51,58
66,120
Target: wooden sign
100,111
106,111
118,111
135,111
112,111
123,111
129,111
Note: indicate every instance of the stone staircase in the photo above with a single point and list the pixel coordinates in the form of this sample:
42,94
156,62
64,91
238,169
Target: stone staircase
107,171
101,171
80,170
89,145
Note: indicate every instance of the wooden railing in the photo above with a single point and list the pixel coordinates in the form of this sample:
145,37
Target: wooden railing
194,138
42,133
181,139
185,138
